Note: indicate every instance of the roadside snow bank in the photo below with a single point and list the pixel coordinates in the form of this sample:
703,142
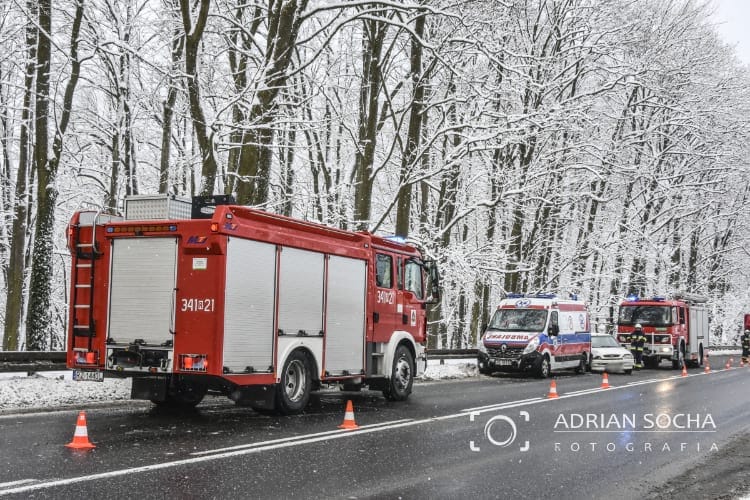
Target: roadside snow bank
54,389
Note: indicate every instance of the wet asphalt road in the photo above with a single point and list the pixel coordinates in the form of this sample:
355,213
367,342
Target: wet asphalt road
485,437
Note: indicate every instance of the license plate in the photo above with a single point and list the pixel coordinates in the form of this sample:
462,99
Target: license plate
88,376
502,362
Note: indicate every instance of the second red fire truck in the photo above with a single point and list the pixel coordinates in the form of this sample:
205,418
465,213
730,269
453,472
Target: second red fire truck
676,329
238,302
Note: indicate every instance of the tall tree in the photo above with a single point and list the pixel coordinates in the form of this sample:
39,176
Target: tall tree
39,324
193,35
14,299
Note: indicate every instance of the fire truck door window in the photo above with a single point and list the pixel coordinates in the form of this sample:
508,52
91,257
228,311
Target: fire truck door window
384,270
682,315
414,279
399,273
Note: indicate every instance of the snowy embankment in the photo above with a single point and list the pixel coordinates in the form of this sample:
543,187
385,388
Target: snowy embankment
57,389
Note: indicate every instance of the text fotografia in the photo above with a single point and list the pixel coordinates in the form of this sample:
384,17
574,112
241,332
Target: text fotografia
648,422
630,432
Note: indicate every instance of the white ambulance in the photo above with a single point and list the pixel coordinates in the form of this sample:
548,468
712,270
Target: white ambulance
539,333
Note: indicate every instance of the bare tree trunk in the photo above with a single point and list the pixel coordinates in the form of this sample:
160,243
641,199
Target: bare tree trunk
193,35
16,261
413,138
254,172
372,47
39,334
178,44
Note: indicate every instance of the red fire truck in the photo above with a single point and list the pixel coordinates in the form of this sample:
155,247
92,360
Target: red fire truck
251,305
676,329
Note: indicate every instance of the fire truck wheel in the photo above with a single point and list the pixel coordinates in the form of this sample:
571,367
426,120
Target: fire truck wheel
293,392
543,367
402,375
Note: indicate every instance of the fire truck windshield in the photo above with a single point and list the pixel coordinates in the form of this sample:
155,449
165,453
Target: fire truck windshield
645,315
519,320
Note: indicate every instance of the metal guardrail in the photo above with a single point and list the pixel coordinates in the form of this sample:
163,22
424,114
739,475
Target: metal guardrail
37,361
31,361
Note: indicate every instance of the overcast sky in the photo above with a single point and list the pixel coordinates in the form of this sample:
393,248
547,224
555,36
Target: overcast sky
733,20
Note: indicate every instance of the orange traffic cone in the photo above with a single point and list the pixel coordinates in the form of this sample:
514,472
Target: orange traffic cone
729,364
684,370
552,390
81,435
605,381
742,362
707,369
349,422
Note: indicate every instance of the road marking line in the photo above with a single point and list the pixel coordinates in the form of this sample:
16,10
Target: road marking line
295,438
17,483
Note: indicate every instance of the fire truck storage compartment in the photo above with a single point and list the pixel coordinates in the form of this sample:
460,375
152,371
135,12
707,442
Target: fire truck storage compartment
698,327
249,306
142,285
345,315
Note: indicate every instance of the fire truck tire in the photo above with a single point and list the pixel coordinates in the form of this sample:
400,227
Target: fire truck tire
293,391
402,375
486,371
542,367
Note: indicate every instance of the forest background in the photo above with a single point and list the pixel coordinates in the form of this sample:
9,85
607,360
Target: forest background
596,147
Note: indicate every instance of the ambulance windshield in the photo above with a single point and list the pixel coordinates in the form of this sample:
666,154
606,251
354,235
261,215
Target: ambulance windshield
519,320
646,315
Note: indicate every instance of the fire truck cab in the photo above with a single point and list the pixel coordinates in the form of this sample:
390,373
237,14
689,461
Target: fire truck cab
676,329
251,305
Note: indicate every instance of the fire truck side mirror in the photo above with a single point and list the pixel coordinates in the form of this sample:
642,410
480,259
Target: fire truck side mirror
434,276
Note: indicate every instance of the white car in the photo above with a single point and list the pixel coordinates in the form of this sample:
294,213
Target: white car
607,355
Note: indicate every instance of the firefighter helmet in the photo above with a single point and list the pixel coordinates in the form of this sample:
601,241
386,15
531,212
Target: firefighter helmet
638,326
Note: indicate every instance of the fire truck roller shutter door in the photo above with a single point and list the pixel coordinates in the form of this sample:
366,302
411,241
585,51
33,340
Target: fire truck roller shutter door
141,304
301,292
249,305
345,318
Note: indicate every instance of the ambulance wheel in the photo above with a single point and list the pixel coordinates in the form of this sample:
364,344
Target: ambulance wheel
402,375
628,372
293,391
543,367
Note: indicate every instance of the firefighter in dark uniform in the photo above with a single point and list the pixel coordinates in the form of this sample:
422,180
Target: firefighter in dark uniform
637,341
746,346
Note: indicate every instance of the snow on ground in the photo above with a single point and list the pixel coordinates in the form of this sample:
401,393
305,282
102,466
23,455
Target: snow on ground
57,389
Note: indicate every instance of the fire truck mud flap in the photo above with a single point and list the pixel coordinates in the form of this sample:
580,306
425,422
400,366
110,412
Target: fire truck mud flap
257,397
150,388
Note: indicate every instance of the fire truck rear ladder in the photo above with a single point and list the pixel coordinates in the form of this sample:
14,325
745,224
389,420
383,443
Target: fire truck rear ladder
86,254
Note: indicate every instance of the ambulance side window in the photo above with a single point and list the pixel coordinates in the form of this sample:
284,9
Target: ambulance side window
383,270
554,324
414,279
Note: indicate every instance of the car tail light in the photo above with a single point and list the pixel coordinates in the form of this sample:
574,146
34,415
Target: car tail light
194,362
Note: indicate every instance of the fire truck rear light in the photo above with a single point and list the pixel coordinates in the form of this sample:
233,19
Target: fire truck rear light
194,362
84,357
